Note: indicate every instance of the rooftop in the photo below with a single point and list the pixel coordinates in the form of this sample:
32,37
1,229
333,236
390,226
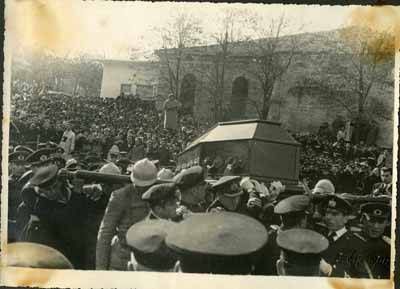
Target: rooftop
324,41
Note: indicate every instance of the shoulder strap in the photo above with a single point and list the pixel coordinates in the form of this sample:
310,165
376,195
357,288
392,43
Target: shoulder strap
355,229
359,236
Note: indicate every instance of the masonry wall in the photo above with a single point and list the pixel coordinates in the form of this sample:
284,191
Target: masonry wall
306,110
299,108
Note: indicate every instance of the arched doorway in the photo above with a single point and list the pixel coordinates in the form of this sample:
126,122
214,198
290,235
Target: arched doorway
187,94
240,88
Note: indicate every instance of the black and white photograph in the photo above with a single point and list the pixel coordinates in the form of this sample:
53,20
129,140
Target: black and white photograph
227,139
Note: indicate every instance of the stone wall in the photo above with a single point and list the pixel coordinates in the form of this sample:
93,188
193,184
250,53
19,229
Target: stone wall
298,106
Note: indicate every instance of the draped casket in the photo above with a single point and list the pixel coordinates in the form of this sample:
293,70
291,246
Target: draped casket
260,149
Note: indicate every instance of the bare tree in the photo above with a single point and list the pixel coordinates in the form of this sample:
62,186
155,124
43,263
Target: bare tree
362,59
231,32
369,61
271,56
87,75
52,72
182,31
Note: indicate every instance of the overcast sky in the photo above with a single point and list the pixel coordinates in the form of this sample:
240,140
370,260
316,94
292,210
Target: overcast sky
110,29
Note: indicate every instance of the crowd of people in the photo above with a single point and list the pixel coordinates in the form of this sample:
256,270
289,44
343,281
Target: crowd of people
136,126
156,220
353,168
95,179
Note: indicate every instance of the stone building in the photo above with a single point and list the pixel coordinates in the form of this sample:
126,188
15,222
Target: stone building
298,100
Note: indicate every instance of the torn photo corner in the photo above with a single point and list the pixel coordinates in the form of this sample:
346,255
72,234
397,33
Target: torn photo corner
199,145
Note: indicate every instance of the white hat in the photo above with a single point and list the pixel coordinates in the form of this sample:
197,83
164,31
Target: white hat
110,168
165,174
324,187
144,173
114,150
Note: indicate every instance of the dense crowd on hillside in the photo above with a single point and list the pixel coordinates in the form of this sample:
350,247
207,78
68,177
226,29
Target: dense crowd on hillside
131,123
136,127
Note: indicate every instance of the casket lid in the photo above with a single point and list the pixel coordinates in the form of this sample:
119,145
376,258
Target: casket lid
253,129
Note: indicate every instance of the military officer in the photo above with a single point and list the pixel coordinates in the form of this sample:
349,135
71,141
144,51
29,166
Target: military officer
223,243
343,254
148,249
38,157
194,193
229,196
16,170
375,219
44,157
54,214
321,188
301,251
17,162
163,200
293,213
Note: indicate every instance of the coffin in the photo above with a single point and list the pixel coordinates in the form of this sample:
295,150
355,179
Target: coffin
260,149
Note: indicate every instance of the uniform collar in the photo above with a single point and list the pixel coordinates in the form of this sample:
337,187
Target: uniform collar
339,233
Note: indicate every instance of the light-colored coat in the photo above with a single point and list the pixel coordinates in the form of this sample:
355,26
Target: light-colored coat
124,209
68,142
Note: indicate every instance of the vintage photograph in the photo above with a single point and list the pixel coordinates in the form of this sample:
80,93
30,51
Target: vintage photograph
242,139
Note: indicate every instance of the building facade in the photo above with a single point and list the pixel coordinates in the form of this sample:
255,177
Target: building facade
124,77
299,99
